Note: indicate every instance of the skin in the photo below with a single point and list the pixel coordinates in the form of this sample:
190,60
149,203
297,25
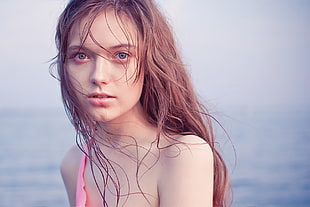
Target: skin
183,173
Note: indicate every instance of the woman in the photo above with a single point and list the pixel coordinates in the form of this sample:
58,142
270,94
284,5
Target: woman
143,139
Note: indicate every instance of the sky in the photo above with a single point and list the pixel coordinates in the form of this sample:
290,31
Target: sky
243,52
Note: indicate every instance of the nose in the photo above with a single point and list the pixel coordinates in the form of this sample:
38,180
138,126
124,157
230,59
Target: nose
101,73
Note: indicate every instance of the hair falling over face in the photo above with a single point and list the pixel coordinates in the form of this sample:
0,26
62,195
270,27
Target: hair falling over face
167,96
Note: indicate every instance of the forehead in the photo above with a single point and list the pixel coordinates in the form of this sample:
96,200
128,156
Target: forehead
107,30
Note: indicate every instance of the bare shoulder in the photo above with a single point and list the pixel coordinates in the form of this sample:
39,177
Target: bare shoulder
71,160
186,177
187,147
69,171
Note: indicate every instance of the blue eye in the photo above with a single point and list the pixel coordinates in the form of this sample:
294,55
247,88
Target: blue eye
81,56
122,55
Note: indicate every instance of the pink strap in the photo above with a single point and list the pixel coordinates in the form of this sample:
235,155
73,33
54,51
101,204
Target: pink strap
80,185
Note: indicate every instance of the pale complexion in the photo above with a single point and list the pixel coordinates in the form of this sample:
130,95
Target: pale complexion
105,78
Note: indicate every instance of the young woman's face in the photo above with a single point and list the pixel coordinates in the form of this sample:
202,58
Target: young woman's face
103,68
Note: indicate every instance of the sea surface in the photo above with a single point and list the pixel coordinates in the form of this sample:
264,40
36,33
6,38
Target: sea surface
267,155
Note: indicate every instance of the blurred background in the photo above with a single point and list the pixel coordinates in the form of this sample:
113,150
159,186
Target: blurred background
249,62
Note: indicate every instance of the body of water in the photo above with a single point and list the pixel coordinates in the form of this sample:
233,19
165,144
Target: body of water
272,157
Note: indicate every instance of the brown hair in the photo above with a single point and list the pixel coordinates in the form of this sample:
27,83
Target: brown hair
168,97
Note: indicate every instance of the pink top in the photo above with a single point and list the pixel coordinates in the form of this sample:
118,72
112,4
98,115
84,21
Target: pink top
81,195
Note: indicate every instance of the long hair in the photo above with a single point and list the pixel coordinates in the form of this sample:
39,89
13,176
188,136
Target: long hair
167,98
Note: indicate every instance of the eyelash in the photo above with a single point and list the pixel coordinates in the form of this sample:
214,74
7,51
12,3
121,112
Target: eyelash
78,55
119,54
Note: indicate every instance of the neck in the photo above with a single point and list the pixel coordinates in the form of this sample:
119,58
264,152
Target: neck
130,129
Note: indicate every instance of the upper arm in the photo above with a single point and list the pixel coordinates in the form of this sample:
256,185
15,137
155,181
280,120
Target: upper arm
69,171
186,179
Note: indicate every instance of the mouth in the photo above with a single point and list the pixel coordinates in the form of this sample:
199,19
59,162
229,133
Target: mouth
100,95
100,99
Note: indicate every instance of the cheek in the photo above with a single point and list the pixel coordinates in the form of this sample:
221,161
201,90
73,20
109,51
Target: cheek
132,90
139,87
76,79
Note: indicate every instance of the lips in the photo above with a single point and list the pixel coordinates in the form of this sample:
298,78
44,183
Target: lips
99,95
100,99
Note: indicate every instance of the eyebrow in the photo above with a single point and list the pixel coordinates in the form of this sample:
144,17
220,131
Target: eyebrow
114,47
123,46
